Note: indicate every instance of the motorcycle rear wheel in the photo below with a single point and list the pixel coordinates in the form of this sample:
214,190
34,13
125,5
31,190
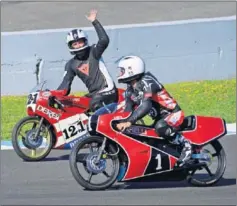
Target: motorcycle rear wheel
17,147
78,176
220,153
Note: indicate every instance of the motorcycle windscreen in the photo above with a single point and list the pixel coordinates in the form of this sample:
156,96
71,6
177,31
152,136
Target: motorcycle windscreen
206,129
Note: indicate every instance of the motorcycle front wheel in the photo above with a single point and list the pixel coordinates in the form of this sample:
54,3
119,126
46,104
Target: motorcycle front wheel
90,168
24,142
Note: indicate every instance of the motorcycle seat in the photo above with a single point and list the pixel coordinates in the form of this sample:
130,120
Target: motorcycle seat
189,123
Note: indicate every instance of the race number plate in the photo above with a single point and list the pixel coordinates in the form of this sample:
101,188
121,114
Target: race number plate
73,127
31,101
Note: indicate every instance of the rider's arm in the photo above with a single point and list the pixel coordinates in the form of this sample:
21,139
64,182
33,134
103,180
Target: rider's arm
146,104
128,104
67,79
103,41
141,111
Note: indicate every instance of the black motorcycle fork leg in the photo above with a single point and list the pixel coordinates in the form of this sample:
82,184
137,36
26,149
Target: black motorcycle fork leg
40,125
101,150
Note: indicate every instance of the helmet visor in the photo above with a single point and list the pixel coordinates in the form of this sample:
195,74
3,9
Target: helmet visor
76,44
121,72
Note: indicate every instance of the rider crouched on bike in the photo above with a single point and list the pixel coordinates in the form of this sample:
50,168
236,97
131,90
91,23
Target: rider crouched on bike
88,65
146,92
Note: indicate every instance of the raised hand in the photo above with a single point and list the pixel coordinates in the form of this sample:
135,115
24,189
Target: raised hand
92,15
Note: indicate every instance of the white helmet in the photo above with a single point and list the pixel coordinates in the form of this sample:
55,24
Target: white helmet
131,68
75,35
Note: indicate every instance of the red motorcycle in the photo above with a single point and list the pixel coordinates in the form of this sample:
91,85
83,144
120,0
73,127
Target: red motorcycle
139,155
46,127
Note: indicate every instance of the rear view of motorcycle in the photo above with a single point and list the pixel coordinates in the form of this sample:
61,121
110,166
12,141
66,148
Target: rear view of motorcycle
139,155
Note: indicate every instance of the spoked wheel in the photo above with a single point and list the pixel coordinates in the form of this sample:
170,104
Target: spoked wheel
209,175
89,173
26,144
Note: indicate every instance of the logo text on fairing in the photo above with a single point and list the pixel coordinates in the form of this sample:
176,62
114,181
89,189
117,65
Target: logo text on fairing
136,130
48,112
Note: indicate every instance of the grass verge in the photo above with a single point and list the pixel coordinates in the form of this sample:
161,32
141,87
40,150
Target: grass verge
209,98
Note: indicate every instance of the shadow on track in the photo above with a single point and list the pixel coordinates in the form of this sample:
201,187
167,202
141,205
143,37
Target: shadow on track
162,185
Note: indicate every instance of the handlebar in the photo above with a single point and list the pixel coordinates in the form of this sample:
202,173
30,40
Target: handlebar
53,99
60,103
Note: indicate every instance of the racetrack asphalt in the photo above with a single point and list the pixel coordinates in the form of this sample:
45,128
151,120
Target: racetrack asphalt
51,182
18,16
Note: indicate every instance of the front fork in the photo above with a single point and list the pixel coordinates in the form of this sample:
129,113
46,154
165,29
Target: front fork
101,150
40,125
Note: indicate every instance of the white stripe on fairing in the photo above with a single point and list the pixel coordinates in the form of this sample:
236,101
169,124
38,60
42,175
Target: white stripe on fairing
107,76
162,23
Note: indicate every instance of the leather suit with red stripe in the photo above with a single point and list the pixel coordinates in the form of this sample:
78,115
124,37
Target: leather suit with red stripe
150,97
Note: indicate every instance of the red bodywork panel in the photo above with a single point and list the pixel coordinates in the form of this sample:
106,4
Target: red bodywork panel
206,129
81,104
138,153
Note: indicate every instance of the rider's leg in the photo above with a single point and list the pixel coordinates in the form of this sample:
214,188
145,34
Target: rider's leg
167,128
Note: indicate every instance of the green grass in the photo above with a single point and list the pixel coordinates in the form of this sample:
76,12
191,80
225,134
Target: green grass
209,98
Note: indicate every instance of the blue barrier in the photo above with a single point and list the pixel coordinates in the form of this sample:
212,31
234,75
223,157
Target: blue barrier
174,52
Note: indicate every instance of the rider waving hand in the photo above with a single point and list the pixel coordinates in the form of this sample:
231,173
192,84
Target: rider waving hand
88,65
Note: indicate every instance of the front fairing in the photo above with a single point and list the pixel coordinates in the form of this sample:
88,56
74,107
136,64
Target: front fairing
34,94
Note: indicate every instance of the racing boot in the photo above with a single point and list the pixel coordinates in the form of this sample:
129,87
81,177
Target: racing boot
186,151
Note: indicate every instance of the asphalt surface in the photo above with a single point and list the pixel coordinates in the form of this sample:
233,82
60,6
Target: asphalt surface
16,16
51,182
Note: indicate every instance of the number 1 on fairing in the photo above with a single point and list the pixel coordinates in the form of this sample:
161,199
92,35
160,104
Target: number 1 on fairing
158,158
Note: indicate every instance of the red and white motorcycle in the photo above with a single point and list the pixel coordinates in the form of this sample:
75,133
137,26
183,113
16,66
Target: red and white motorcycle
47,127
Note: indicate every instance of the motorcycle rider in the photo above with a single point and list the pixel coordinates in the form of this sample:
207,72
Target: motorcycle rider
89,66
151,97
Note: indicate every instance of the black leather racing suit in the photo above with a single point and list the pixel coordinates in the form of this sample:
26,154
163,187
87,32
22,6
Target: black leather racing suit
90,68
151,98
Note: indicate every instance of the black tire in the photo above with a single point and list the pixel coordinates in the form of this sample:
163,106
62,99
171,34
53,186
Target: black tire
77,175
15,142
220,170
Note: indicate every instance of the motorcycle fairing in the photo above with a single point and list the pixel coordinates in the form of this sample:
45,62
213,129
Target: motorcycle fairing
143,159
206,129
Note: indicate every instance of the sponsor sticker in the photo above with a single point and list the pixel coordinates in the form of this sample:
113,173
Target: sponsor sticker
48,112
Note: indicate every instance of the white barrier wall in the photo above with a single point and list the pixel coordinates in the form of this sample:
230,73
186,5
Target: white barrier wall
174,51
